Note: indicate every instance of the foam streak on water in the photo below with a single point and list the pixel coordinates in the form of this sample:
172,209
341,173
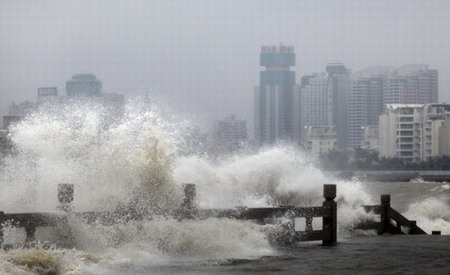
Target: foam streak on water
135,162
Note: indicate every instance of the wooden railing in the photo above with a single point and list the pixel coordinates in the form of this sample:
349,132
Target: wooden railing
188,210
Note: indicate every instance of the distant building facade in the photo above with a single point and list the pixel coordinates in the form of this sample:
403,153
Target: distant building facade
5,144
411,84
21,109
444,137
273,106
47,91
365,106
315,103
323,101
339,88
229,134
48,94
414,132
375,87
83,85
9,121
320,139
371,139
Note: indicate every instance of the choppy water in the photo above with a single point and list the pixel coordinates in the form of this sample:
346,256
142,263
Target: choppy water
144,160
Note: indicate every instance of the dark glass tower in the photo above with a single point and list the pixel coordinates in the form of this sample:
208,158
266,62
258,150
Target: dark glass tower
339,86
83,85
273,96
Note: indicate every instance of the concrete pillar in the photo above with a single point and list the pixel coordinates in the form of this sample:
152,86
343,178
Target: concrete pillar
30,229
190,193
330,223
385,219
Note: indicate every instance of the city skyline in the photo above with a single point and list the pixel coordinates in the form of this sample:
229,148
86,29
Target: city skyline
173,50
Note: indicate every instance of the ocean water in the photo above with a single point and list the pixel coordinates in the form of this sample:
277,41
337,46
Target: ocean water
144,159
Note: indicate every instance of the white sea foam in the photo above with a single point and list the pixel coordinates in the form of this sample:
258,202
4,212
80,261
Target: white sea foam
136,161
431,214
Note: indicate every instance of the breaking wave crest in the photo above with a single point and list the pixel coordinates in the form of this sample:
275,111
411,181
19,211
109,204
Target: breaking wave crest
135,161
431,214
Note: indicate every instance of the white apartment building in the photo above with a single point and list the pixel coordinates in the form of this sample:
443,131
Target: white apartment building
444,137
315,103
413,131
320,139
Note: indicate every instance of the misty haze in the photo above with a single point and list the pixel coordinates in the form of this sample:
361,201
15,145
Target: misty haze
204,137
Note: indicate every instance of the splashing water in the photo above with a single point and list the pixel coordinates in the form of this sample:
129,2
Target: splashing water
431,213
135,162
72,144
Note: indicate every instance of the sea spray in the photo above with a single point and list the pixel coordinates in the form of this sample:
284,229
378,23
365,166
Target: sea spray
279,175
431,214
126,160
139,161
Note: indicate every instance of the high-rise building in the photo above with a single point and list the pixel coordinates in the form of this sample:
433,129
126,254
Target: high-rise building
229,134
273,98
365,106
315,102
83,85
413,132
374,87
411,84
324,101
339,86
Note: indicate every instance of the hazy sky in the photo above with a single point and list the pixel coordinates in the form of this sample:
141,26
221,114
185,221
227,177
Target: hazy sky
203,55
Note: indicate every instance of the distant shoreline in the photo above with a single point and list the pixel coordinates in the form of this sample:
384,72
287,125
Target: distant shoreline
395,175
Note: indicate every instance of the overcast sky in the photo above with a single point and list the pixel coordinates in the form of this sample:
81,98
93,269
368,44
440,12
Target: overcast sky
203,55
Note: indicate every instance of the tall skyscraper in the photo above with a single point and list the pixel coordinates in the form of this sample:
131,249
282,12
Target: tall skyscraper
365,106
374,87
83,85
274,96
411,84
315,103
339,86
324,101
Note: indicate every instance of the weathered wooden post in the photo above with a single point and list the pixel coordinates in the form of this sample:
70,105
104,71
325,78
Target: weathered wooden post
385,219
330,223
65,195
